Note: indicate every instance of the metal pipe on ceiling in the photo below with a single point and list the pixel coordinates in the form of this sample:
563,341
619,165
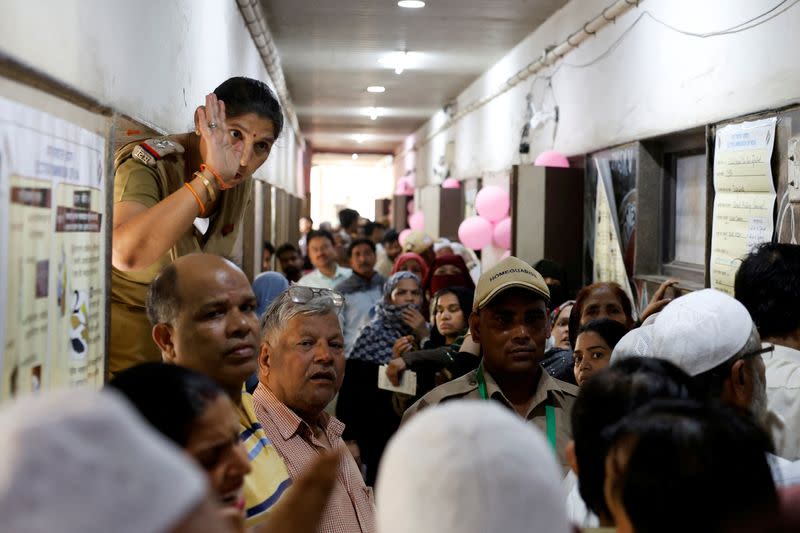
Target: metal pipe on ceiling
548,58
257,25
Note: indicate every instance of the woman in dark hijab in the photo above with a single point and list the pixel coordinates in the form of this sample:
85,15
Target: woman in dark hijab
448,271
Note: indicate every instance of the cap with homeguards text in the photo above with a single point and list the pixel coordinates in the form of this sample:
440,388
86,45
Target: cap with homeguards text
510,272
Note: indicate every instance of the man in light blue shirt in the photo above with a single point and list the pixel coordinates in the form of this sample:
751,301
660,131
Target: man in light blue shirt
361,291
327,273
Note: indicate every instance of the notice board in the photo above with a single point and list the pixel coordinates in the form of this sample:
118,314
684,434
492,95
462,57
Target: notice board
744,198
53,237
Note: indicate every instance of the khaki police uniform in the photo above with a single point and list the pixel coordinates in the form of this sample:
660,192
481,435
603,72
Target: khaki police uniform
147,172
549,391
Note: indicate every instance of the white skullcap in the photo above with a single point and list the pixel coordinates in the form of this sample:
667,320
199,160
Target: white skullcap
635,343
469,466
82,461
695,332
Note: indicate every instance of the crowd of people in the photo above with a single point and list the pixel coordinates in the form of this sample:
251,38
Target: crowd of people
470,401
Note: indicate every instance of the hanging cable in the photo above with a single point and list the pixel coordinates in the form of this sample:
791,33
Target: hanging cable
554,54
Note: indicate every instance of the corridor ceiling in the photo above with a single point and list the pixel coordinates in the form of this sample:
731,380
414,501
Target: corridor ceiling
332,50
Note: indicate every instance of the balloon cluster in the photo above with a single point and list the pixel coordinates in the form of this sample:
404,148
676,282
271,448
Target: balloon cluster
492,224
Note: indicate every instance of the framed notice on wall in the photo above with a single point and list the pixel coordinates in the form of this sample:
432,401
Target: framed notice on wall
52,245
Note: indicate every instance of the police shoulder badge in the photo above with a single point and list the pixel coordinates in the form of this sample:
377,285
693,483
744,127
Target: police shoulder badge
151,151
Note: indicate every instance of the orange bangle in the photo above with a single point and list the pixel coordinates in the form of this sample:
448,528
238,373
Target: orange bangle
196,197
222,185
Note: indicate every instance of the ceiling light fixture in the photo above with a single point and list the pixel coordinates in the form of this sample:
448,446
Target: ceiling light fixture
376,89
360,138
373,112
399,61
402,61
411,4
354,156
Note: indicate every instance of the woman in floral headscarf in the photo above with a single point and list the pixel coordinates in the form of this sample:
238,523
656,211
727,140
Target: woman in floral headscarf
397,315
366,410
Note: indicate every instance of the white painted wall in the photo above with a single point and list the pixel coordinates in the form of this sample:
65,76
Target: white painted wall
150,59
655,82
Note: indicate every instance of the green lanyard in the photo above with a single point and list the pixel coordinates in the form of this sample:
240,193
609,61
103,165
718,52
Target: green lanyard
549,410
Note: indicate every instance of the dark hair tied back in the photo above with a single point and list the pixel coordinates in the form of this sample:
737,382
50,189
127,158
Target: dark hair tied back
245,95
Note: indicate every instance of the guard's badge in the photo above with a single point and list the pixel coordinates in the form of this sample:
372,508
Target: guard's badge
151,151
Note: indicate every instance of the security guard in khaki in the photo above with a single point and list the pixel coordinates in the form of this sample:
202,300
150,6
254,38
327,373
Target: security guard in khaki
510,322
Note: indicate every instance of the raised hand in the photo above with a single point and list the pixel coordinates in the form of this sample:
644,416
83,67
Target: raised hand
223,155
416,322
658,302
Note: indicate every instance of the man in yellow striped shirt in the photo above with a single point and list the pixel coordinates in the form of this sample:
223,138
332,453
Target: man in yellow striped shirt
202,309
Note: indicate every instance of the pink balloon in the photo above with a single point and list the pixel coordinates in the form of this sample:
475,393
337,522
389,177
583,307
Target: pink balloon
403,236
507,253
492,203
551,158
410,206
475,232
502,234
451,183
417,221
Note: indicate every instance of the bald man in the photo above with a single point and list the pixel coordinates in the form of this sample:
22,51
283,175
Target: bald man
203,313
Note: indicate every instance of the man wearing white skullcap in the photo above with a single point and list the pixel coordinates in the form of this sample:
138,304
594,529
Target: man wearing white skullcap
469,466
83,461
710,336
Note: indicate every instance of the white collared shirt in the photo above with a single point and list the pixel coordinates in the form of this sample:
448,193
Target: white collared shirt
317,279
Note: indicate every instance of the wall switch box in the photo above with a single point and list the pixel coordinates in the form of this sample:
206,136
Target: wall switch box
794,169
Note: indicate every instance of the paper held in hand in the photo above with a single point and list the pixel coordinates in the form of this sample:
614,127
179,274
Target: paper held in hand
408,381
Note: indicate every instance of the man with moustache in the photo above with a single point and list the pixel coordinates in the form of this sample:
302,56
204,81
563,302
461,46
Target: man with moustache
361,290
300,369
510,322
203,313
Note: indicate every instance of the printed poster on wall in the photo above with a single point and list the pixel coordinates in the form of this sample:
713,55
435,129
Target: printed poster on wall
744,198
609,264
52,204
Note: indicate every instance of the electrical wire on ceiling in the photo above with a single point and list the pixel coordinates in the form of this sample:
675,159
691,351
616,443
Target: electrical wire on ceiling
551,55
738,28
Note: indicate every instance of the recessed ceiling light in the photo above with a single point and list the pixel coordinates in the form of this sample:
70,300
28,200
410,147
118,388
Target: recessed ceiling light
354,156
411,4
360,138
373,112
399,61
376,89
